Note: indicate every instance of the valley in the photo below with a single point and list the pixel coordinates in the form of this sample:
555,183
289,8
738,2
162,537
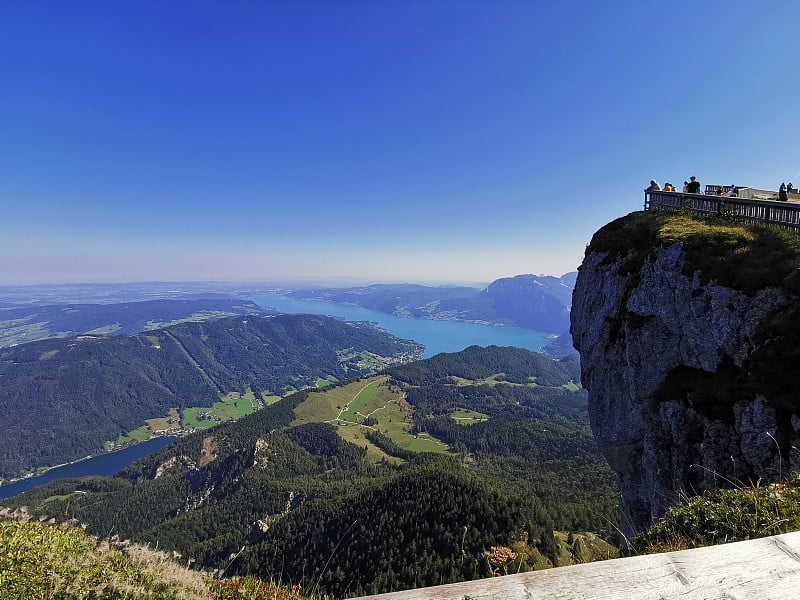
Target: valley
66,399
396,466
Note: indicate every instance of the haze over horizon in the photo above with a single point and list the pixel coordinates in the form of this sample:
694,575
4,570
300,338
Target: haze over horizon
421,142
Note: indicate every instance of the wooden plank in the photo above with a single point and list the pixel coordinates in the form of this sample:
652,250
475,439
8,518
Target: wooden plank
766,568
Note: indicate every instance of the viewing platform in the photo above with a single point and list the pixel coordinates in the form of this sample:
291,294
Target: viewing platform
784,214
764,568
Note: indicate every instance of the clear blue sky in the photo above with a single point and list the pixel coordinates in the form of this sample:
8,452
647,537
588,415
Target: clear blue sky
424,141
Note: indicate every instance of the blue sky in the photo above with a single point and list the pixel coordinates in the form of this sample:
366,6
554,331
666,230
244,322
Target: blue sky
370,141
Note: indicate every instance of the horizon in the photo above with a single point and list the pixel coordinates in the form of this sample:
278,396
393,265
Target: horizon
343,282
373,142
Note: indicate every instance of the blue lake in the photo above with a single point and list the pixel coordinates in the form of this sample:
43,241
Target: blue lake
103,464
438,336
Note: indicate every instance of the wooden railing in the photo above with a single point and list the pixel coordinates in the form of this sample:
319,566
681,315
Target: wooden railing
762,568
773,212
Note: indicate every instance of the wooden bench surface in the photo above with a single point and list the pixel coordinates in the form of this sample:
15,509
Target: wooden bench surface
762,569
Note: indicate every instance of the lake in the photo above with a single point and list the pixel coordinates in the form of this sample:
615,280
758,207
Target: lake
102,464
437,336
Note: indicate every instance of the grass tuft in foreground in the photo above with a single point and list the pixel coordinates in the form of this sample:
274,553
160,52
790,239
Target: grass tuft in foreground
41,561
722,516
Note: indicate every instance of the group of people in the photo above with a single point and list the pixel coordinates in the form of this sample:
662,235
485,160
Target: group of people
693,187
689,187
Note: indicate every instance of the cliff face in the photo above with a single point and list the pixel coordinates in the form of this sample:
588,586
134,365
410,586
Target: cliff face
689,380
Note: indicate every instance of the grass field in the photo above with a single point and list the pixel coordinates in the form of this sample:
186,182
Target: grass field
462,416
171,421
492,380
19,331
268,398
105,330
231,407
357,406
426,443
347,407
321,383
142,434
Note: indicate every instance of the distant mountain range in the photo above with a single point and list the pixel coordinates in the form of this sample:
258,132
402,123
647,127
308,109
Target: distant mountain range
21,324
537,302
61,399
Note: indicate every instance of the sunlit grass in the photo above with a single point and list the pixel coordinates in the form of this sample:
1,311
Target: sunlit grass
747,257
42,561
727,515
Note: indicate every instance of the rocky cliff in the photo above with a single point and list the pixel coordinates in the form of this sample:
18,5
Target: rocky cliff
689,335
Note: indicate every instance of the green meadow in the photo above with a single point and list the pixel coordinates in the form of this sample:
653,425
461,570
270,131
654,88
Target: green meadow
231,407
363,406
462,416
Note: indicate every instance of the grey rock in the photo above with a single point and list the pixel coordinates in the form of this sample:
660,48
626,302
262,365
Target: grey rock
632,329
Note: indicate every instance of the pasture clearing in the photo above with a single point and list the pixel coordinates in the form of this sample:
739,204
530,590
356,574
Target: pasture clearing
462,416
363,406
492,380
356,408
232,406
142,434
326,381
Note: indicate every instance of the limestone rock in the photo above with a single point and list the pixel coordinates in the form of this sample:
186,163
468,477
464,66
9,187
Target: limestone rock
676,402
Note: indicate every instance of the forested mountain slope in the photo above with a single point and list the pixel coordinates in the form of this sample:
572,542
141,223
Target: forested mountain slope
62,398
328,487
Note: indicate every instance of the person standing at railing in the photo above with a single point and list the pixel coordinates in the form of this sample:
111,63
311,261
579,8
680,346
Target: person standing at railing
668,187
653,187
790,188
733,192
693,187
782,195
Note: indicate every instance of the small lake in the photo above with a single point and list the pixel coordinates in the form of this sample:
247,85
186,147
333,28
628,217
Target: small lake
102,464
438,336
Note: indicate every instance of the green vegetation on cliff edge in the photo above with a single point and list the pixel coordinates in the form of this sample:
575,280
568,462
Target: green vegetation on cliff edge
725,515
745,257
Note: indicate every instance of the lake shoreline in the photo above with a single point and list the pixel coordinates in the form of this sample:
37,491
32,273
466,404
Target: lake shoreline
437,335
114,460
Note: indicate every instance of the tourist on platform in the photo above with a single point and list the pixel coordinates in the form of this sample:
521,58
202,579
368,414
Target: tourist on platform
693,187
733,192
668,187
782,195
790,188
653,187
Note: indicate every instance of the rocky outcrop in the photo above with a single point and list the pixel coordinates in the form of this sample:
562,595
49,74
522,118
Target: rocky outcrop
688,379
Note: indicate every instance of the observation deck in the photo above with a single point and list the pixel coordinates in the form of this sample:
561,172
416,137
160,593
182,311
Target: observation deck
784,214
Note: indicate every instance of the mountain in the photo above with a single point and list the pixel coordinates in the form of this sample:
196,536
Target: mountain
63,398
689,335
535,302
424,474
20,324
530,301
